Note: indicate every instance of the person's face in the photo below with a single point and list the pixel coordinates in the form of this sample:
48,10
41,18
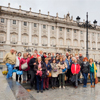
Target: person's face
91,61
40,52
12,51
75,61
46,61
54,61
25,55
80,54
61,59
29,56
19,54
68,57
85,60
52,54
66,54
34,55
39,59
44,54
76,57
71,56
35,51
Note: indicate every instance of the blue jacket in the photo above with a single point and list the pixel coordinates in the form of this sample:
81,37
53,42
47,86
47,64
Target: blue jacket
67,62
48,66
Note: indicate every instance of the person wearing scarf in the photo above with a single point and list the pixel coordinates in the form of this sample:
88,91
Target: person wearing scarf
61,65
40,70
75,69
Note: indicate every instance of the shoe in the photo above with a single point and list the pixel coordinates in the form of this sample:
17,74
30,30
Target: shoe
59,87
44,89
84,86
93,86
37,91
24,81
41,91
63,87
75,86
52,87
47,88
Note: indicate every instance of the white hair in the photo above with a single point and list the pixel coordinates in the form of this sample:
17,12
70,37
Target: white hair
12,48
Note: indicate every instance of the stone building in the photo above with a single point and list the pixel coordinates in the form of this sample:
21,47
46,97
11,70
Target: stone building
27,30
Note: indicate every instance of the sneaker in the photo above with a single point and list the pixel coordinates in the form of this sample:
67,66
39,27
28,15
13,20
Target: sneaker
41,91
59,87
44,89
47,88
84,86
52,87
63,87
37,91
93,86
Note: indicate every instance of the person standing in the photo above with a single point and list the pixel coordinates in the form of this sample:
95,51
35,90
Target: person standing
44,56
10,61
81,57
93,71
18,58
75,69
32,63
62,69
85,69
40,70
24,60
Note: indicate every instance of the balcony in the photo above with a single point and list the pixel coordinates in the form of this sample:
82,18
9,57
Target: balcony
13,42
53,45
35,44
24,43
98,48
44,44
2,41
94,48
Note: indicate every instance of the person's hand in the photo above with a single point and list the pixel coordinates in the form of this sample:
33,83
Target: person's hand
48,71
63,68
14,67
34,63
88,73
40,69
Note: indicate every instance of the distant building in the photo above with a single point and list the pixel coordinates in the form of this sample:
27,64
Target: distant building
25,30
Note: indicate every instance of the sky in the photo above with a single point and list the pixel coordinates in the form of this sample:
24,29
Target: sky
62,7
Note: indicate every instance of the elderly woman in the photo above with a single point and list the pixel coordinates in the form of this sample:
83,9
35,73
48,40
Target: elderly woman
62,69
75,69
40,70
93,71
85,69
24,66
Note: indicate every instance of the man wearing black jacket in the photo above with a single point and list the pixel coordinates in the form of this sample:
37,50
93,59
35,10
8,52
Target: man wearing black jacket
32,63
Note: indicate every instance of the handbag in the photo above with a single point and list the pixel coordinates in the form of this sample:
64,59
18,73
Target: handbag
96,80
24,66
64,70
49,74
15,70
19,72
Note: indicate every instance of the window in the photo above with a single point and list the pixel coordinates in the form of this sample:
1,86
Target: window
92,34
67,30
52,27
14,21
2,20
1,54
74,31
25,23
35,25
98,34
44,26
81,32
60,29
1,38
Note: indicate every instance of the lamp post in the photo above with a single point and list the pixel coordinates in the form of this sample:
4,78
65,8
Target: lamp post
87,26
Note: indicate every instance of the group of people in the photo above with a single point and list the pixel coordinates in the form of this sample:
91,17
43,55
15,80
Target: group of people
44,69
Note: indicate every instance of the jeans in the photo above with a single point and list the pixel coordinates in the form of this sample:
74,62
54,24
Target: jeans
18,77
10,69
39,80
54,80
24,75
62,77
92,78
85,78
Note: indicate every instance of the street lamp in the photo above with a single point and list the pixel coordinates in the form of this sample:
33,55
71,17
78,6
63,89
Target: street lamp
86,25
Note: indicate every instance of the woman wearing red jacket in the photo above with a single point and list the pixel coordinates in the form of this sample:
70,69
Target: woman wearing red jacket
23,61
75,69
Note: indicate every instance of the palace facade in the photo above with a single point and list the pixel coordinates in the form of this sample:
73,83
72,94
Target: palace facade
27,30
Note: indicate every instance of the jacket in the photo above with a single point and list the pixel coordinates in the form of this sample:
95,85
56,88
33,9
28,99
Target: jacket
53,66
43,69
22,61
48,67
85,67
59,66
10,58
43,58
32,61
75,70
17,62
81,58
67,62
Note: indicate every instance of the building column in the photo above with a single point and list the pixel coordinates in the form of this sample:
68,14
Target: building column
57,36
72,38
85,40
30,33
39,34
8,31
19,33
48,36
90,41
79,38
96,41
65,37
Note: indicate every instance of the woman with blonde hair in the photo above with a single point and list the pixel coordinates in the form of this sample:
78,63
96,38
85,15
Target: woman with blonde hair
93,71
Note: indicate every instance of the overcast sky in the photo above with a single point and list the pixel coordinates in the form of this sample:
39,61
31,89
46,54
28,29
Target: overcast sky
74,7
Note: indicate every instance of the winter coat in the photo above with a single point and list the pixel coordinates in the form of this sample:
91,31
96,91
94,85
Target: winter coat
32,61
67,62
43,69
85,67
81,58
22,61
75,69
48,67
17,61
54,73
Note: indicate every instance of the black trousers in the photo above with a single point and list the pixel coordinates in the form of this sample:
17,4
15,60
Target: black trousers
54,80
17,75
68,74
32,78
